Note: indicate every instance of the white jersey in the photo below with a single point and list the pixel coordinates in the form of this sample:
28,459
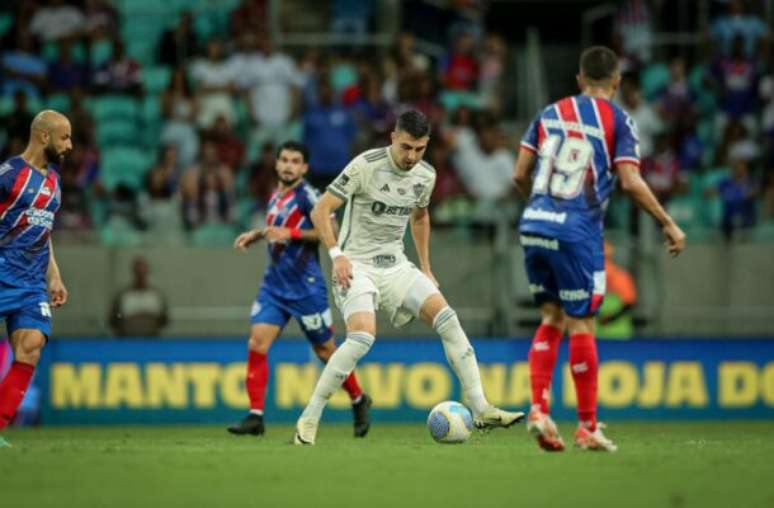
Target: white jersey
380,200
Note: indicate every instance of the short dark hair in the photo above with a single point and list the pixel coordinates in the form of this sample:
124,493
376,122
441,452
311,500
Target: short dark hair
295,146
414,123
598,63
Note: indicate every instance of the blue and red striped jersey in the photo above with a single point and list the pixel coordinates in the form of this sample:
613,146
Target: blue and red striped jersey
28,201
294,271
578,140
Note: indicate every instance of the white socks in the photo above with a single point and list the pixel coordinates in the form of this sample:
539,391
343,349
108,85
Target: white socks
341,363
461,357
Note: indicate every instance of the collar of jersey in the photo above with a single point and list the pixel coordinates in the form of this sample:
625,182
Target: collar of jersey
394,167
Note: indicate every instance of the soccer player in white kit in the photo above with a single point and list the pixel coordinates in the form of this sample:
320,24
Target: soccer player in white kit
386,189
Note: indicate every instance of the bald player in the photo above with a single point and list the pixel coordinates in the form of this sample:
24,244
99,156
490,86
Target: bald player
30,282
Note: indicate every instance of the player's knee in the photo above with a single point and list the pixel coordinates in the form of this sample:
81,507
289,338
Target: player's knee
324,351
553,315
29,348
446,318
359,343
258,343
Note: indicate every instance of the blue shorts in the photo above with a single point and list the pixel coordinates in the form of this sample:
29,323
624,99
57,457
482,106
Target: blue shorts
25,308
570,273
312,314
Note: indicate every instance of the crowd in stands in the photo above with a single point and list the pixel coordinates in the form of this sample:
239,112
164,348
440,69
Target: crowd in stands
177,108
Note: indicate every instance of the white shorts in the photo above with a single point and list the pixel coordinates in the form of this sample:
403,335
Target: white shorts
399,290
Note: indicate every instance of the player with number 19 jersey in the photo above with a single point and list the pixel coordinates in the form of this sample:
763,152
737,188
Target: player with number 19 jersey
578,141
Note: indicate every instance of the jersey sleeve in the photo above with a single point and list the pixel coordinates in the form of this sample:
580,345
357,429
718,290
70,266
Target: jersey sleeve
530,138
424,197
307,199
349,182
627,143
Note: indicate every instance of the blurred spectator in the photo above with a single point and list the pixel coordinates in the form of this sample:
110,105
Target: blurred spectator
492,70
351,17
329,131
57,20
447,183
677,99
101,17
120,74
178,44
737,144
691,148
482,161
407,57
79,172
738,193
662,170
231,151
271,80
373,115
426,99
214,81
738,23
163,178
178,107
262,177
737,76
64,73
80,118
249,17
615,316
460,68
124,207
645,117
23,68
140,310
766,93
633,33
17,122
208,190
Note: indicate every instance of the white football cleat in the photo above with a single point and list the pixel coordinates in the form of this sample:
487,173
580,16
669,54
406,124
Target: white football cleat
306,431
594,441
543,428
493,417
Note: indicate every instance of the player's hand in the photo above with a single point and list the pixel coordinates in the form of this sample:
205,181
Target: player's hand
431,277
675,239
342,271
57,292
276,234
244,240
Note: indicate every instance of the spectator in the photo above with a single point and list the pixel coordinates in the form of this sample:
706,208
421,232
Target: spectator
100,17
64,73
737,76
677,99
179,108
738,23
56,21
483,163
178,44
407,57
329,131
214,81
23,68
426,99
447,183
161,209
124,207
373,115
662,171
75,176
460,69
163,177
633,31
767,119
250,17
140,310
492,69
231,151
80,118
645,117
738,194
17,122
272,82
262,179
615,315
208,190
120,74
737,144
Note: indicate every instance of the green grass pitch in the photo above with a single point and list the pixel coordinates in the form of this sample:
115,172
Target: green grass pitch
658,465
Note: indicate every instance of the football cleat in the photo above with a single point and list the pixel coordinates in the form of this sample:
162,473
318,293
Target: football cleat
306,431
543,428
595,441
361,418
493,417
251,424
4,443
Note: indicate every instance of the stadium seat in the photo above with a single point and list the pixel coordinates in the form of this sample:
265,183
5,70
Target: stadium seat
6,22
115,131
124,165
59,102
155,79
214,234
653,79
452,100
115,106
101,51
118,232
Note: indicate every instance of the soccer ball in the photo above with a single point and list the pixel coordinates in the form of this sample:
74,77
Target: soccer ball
450,422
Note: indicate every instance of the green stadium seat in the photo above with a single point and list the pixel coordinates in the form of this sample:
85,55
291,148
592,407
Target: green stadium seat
6,22
117,132
155,79
125,165
101,51
59,102
6,104
118,232
214,234
653,79
452,100
115,106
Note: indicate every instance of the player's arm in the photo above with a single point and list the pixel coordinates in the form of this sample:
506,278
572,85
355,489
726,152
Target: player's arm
522,171
327,232
420,232
633,184
56,288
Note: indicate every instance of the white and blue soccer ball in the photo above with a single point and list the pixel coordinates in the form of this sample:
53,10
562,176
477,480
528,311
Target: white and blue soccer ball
450,422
